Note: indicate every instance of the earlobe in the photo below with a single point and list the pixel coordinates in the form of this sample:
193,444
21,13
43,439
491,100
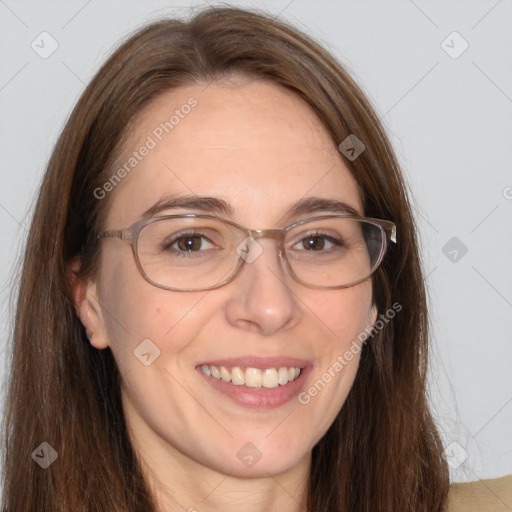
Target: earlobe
372,316
370,321
91,315
87,306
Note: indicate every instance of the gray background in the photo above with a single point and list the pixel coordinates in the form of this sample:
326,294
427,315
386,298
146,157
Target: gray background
450,120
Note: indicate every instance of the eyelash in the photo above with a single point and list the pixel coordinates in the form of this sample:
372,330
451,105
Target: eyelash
190,254
186,254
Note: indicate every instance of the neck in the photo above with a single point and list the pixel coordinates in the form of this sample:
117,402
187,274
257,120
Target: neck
180,483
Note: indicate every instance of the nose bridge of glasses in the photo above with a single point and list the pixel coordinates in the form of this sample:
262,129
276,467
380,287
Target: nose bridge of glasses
277,234
257,234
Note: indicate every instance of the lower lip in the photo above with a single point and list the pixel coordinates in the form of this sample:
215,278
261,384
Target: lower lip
259,398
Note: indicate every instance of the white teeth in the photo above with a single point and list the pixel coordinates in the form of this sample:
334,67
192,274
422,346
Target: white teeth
270,378
237,376
283,375
215,372
253,377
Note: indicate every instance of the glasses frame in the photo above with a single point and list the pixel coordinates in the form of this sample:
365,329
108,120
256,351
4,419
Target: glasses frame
131,235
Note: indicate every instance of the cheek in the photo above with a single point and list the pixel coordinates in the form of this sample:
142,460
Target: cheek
344,314
142,319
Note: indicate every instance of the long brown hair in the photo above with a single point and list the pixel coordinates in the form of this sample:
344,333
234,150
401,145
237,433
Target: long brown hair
382,453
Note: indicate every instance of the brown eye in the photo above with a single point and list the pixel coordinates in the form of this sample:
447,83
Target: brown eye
314,242
189,243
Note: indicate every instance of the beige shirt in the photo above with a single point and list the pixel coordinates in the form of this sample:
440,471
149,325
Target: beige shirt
481,496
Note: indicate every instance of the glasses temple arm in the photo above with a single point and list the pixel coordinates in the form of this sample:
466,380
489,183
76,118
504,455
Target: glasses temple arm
393,233
113,233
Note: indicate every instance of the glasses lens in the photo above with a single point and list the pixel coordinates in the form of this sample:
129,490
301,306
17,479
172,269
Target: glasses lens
334,251
188,253
192,253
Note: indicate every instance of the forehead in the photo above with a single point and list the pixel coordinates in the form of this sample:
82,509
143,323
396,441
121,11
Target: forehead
253,144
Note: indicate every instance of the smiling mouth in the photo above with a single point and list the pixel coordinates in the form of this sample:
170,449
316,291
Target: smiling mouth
253,377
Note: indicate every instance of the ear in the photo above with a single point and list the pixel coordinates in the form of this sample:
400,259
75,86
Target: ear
371,318
87,305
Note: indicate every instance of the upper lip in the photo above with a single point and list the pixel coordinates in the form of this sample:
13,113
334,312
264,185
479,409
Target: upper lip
258,362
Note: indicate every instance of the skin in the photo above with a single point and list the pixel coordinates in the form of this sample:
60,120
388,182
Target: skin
261,148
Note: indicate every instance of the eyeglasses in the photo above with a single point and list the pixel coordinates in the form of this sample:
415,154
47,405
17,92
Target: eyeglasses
192,252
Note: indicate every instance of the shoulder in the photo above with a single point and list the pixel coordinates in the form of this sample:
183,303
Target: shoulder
481,496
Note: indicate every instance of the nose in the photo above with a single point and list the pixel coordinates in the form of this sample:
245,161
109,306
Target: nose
262,297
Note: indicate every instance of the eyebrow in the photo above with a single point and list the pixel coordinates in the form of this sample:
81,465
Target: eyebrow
215,205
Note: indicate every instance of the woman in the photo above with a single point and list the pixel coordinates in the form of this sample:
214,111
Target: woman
263,342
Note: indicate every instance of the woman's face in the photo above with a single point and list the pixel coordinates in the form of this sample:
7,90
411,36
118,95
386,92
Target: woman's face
260,149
